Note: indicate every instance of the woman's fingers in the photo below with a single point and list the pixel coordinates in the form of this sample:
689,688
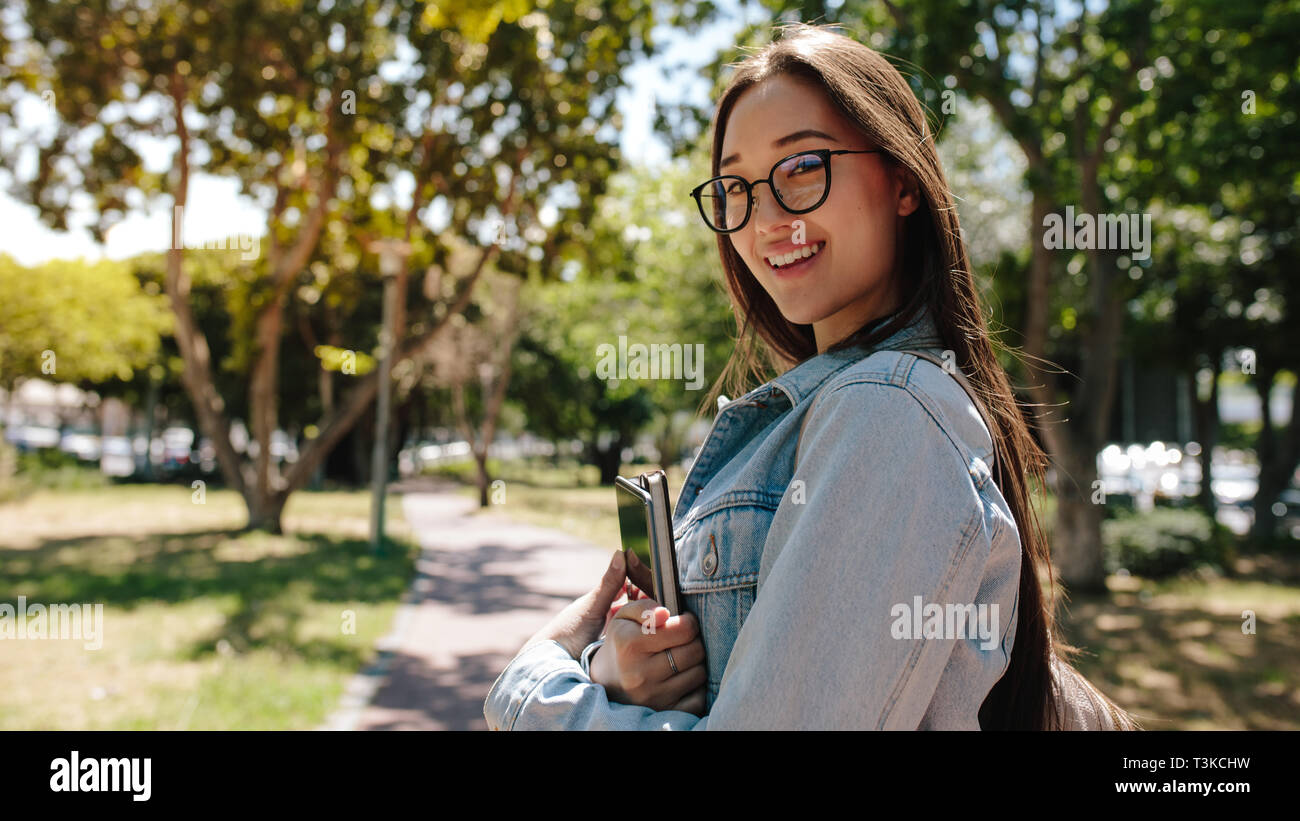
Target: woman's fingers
639,670
657,630
663,694
688,655
638,573
640,612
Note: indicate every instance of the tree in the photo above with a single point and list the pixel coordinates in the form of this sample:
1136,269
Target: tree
74,321
648,275
346,122
1226,150
470,354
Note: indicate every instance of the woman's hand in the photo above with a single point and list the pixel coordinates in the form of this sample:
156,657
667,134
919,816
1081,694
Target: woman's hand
632,664
589,615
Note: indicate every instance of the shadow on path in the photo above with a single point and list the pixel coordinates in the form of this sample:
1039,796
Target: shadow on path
484,584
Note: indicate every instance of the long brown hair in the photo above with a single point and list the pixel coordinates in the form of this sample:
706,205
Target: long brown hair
869,92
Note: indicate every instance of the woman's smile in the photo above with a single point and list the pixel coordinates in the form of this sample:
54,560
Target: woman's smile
795,263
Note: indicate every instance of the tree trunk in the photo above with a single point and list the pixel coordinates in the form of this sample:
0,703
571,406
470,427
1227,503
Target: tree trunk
150,414
264,512
480,459
1207,434
1073,444
1076,536
362,440
1277,460
609,460
209,408
262,401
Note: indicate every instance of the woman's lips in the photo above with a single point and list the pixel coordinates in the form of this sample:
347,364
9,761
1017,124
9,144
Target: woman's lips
798,268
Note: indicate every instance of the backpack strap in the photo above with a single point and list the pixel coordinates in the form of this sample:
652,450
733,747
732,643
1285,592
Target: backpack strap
946,368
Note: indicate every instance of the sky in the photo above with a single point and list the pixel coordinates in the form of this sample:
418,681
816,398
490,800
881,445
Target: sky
216,210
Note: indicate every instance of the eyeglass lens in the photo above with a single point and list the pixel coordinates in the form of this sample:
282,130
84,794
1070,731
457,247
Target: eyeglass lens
799,182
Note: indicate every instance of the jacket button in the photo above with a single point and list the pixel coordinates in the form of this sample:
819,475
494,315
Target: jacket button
710,561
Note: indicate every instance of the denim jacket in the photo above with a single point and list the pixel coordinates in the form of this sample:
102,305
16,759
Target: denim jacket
811,581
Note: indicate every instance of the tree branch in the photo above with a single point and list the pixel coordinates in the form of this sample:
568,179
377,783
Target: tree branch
209,407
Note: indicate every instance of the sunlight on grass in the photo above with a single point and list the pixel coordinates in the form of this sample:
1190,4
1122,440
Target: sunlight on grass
1174,652
204,627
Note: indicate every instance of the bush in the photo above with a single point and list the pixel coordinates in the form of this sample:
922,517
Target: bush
1166,541
22,472
8,471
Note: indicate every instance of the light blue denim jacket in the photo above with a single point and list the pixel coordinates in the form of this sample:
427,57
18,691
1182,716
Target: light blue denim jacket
796,572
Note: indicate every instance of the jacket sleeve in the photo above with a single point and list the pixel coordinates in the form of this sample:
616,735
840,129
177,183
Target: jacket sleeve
544,688
887,513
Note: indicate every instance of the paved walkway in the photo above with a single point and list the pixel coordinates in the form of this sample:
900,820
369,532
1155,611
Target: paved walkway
484,584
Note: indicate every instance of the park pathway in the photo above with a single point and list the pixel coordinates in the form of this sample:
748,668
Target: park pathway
484,584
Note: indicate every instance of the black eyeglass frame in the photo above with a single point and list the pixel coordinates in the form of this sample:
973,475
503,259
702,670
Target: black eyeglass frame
824,153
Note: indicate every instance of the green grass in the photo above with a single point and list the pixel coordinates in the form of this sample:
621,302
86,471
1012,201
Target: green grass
21,474
204,626
1174,653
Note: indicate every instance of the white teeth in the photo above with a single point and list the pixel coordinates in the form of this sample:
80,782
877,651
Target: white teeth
802,253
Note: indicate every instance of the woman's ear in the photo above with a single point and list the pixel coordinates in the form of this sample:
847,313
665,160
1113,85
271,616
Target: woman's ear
909,191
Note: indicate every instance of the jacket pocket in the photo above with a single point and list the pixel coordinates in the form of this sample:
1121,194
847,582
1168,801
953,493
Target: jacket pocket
718,557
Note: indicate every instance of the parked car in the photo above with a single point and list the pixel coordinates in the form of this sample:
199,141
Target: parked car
117,457
33,437
85,445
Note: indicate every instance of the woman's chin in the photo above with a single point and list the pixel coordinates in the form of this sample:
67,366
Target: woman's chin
799,315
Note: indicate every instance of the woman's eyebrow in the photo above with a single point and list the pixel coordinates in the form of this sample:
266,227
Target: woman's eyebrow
786,140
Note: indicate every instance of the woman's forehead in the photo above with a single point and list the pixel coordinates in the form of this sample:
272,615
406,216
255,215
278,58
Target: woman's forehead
773,109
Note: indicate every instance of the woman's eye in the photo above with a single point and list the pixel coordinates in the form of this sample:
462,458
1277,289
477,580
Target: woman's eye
807,164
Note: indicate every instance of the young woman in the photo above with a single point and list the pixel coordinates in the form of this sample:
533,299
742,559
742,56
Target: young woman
856,544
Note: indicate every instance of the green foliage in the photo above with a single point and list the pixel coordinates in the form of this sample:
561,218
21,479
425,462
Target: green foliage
10,488
1166,541
22,473
53,469
343,360
74,321
649,274
474,19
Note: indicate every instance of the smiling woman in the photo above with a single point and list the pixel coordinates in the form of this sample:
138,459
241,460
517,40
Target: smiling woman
887,463
855,279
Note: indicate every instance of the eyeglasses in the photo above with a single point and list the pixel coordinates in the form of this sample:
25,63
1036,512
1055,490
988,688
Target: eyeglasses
800,182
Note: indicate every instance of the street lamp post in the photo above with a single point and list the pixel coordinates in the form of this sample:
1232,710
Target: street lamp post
392,256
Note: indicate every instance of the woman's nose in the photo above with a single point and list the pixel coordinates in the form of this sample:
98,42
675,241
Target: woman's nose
768,214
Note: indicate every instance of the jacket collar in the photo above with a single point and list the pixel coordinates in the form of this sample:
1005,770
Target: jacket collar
808,376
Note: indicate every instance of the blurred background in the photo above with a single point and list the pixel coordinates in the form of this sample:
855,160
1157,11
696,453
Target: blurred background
269,270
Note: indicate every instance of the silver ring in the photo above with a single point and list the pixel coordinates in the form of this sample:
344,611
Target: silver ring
671,663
